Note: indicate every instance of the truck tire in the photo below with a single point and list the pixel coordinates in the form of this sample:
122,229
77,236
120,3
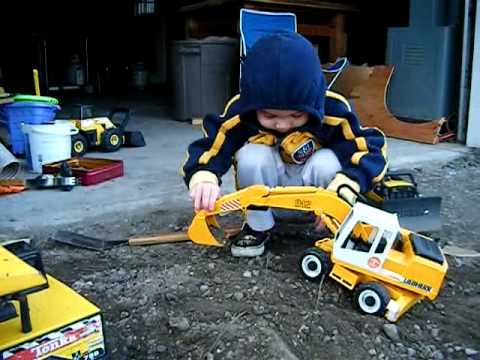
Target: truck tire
372,299
315,264
79,145
112,139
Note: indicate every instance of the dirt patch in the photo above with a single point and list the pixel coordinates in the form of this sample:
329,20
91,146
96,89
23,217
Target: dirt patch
181,301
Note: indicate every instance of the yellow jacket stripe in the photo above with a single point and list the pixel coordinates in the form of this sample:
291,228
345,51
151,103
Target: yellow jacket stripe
219,140
339,97
230,102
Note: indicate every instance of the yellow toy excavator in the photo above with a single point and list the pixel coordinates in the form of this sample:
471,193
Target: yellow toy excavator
40,317
388,268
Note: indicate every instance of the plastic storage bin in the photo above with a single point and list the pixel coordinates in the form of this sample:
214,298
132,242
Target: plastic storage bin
29,113
205,74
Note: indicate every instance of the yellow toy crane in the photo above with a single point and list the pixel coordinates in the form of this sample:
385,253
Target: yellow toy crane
388,268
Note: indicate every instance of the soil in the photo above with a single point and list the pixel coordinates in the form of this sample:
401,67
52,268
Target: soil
183,301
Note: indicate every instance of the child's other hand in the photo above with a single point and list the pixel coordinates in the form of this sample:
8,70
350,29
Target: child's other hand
319,225
204,194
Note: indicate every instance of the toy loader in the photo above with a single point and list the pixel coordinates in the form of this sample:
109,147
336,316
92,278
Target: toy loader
40,317
388,267
107,133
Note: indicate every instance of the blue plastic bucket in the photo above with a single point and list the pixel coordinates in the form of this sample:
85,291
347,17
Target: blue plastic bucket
29,113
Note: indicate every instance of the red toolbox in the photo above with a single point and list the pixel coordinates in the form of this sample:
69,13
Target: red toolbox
90,171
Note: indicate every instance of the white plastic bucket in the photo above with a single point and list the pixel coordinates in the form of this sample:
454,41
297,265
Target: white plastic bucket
48,143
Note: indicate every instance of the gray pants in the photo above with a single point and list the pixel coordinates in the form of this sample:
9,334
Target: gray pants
262,164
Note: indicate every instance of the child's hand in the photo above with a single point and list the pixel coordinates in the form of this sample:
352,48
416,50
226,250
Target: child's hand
319,225
204,194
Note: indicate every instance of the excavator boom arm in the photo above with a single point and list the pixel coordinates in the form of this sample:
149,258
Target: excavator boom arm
321,202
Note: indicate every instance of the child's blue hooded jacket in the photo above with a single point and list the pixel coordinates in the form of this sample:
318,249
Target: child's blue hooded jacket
282,71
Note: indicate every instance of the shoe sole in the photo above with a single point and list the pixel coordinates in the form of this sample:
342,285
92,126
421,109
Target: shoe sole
250,251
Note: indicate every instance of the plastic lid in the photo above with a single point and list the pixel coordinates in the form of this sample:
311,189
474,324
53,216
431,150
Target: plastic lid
35,98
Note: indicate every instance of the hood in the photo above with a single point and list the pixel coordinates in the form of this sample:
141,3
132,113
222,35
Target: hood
283,71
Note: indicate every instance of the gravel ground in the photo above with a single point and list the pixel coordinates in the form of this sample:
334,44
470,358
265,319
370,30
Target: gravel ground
182,301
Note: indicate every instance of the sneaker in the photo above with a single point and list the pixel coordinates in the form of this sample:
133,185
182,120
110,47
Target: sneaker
249,243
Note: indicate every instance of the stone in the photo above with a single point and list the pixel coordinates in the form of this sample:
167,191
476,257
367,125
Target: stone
470,352
178,323
391,330
238,295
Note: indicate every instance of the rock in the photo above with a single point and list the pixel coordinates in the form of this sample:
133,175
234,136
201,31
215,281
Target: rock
435,332
304,329
256,272
124,314
160,348
178,323
391,330
171,297
411,352
203,288
211,266
238,295
259,309
209,356
470,352
247,274
437,355
378,340
372,352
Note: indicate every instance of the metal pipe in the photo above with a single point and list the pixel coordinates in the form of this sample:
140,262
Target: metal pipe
465,72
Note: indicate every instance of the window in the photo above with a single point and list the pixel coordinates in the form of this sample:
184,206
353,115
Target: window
383,242
144,7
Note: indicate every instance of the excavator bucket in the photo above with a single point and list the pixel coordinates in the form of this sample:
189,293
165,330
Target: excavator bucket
199,230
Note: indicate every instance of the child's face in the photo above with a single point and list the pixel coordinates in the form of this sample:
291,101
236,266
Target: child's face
281,120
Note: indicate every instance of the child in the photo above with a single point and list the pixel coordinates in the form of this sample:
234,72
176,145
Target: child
283,129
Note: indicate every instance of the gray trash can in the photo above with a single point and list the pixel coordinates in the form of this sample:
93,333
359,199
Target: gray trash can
203,75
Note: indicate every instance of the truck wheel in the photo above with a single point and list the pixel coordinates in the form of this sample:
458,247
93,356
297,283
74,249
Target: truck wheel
79,145
372,299
112,139
314,264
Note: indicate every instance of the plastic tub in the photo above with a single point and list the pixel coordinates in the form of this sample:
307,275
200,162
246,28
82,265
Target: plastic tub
29,113
48,143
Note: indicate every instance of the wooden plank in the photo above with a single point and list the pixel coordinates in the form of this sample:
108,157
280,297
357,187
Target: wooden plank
321,5
369,103
338,41
316,30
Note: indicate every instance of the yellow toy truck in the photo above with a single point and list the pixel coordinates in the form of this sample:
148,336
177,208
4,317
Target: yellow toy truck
40,317
106,132
388,267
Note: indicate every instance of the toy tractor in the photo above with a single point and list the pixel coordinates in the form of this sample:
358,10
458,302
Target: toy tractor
388,267
106,133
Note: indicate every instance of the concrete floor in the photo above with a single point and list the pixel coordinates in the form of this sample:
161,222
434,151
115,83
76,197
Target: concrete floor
152,181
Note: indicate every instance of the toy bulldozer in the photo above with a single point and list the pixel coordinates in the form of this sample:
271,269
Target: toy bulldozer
107,133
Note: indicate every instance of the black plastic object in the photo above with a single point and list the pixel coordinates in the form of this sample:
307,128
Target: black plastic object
134,139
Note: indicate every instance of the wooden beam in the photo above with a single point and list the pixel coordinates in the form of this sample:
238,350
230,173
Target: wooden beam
322,5
316,30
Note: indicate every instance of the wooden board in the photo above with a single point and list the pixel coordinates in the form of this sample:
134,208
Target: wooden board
369,101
